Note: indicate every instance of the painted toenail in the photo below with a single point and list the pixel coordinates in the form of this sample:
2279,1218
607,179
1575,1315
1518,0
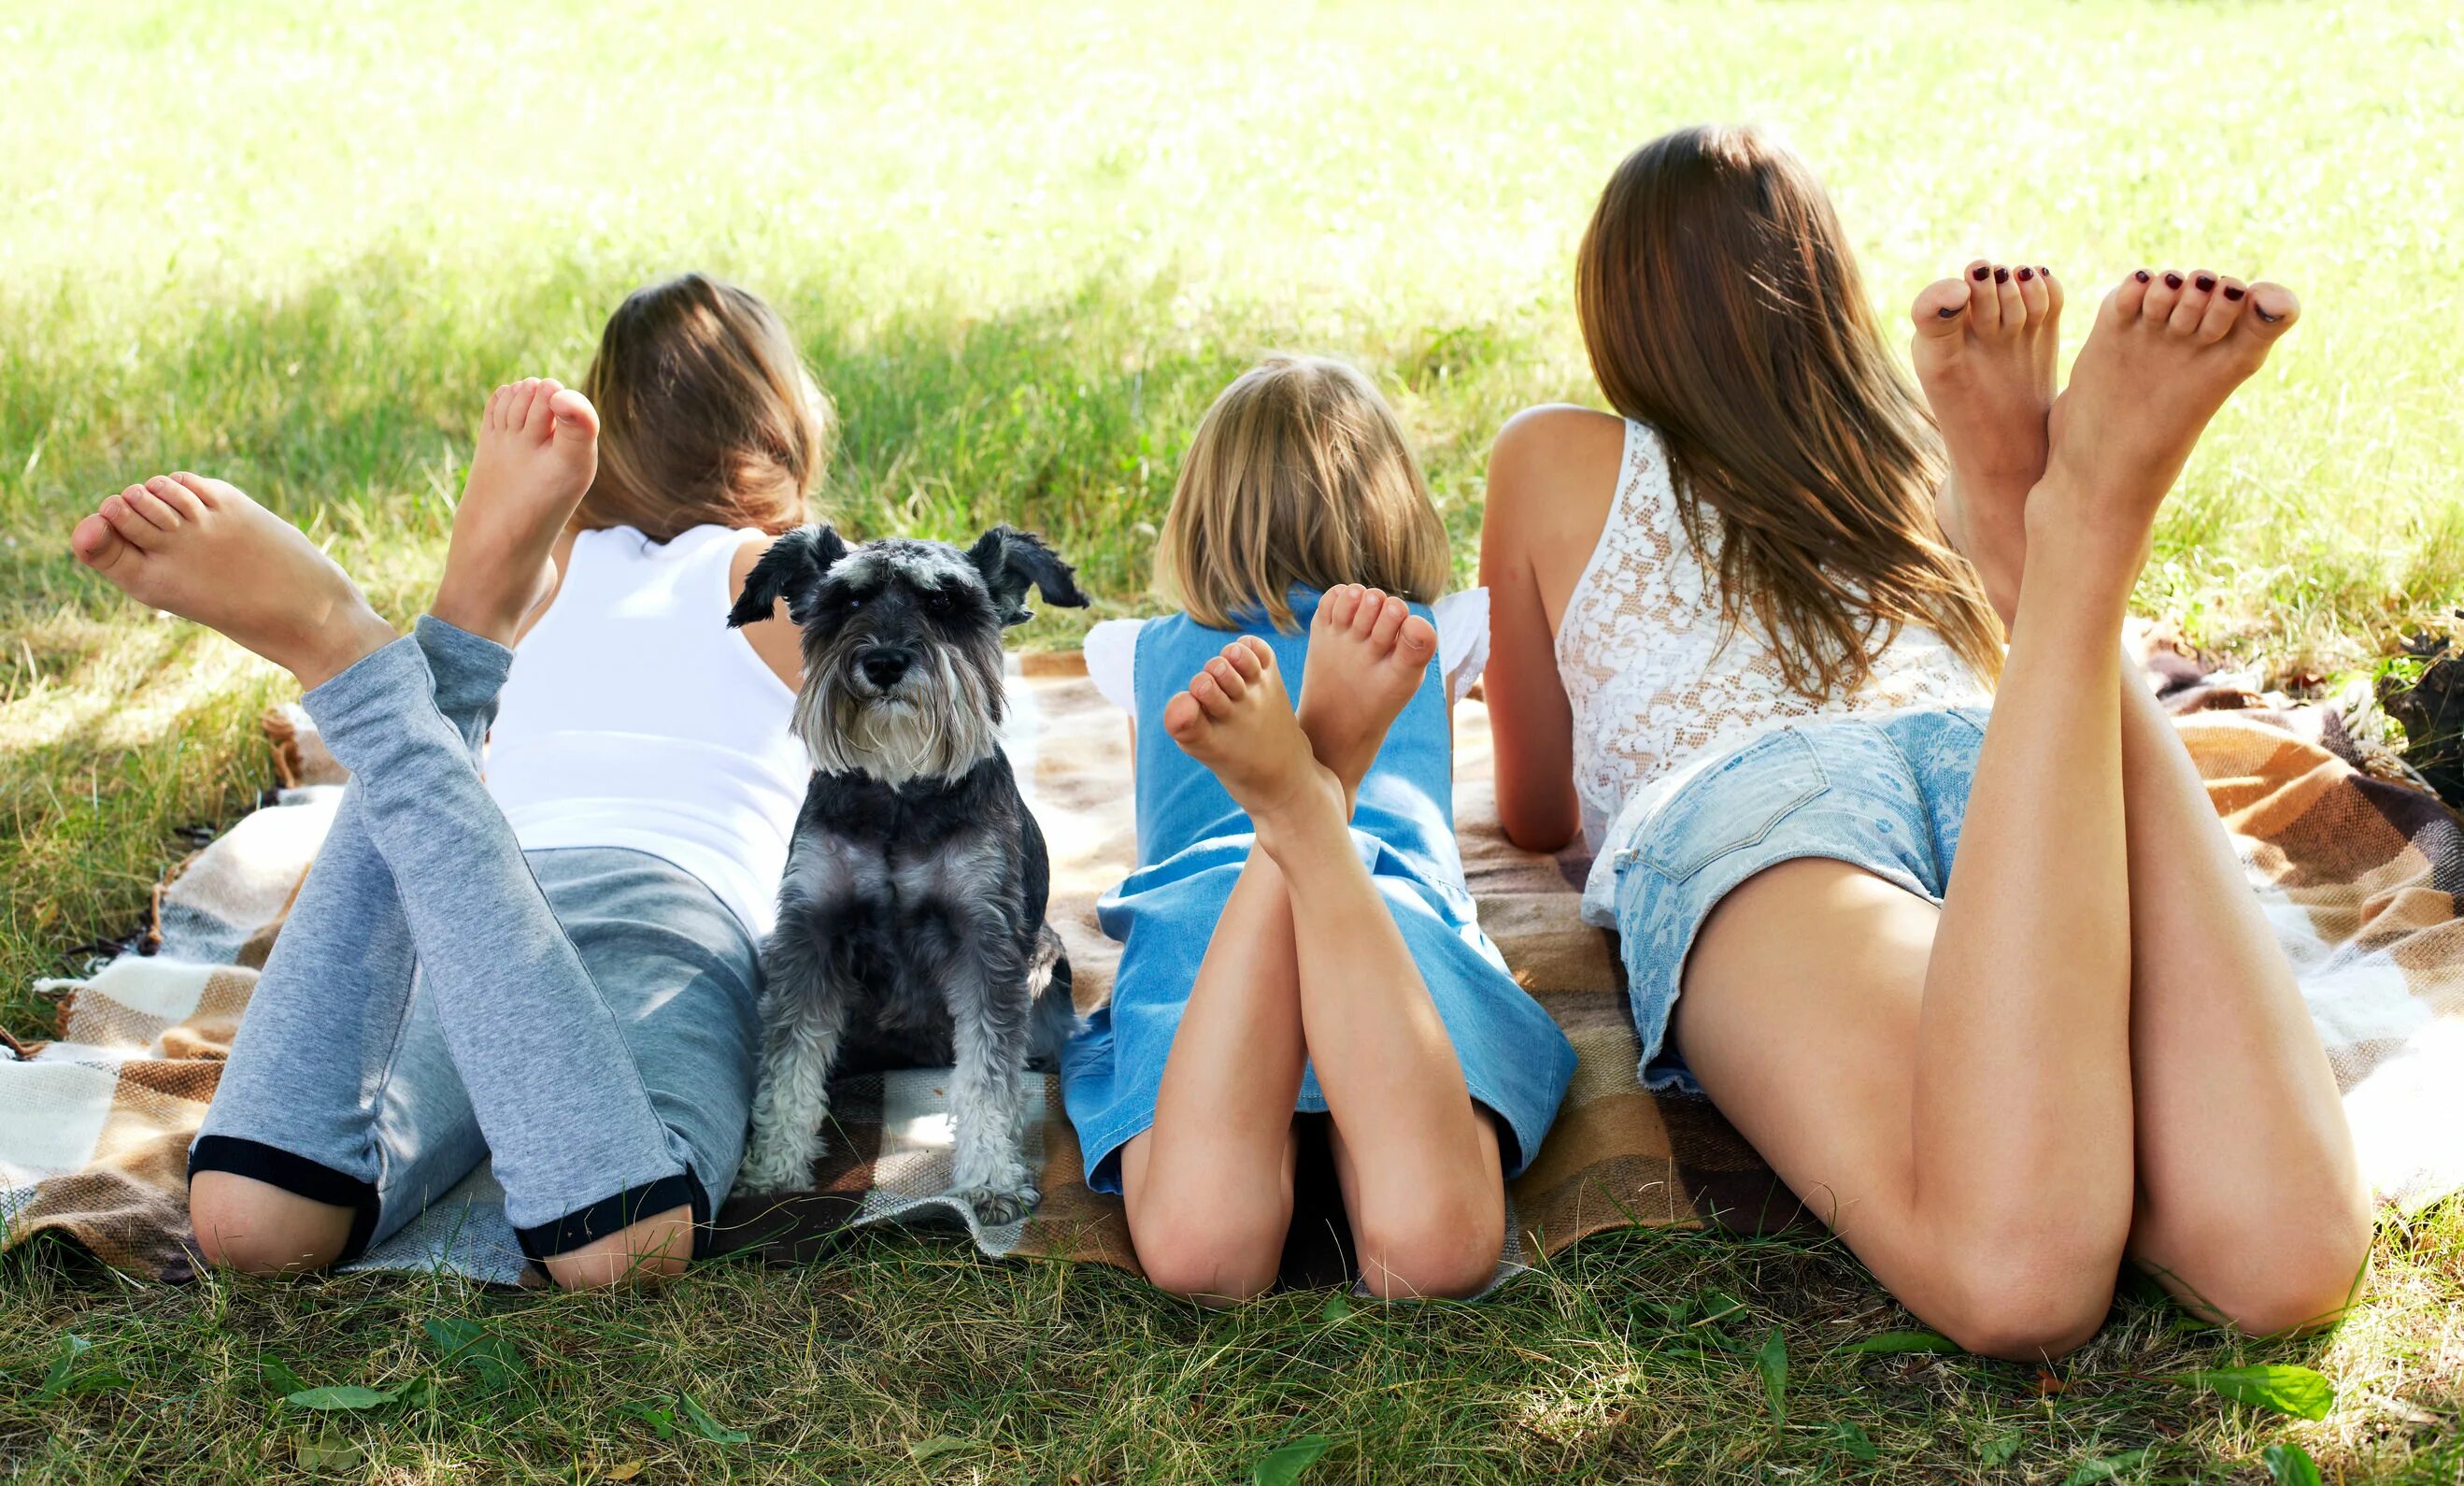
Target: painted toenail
2265,316
2001,276
2172,280
2232,293
1983,273
2043,271
2207,281
2026,274
1949,314
2142,276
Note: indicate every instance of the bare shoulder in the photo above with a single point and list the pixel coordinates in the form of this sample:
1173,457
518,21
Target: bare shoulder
774,640
1556,462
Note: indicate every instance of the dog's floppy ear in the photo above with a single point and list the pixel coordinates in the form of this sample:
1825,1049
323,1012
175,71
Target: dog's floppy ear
1010,561
791,569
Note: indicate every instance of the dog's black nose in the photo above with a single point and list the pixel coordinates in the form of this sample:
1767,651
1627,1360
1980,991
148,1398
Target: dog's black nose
884,667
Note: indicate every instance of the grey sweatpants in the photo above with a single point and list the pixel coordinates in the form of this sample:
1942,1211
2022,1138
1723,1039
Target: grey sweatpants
438,996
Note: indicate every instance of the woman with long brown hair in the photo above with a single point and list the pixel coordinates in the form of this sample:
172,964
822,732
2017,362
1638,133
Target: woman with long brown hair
1954,937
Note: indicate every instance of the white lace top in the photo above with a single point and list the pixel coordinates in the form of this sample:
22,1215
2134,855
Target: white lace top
1660,687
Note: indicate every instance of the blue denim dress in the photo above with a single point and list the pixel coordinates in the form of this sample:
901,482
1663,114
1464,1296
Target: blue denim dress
1192,841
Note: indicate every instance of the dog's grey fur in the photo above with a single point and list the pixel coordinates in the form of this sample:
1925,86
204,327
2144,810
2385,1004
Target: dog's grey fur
911,920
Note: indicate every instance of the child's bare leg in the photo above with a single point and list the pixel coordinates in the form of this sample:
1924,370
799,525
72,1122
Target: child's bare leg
2250,1207
1427,1219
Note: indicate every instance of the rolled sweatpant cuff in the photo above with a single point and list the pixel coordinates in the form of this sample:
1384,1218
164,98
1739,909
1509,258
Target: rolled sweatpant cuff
292,1173
586,1225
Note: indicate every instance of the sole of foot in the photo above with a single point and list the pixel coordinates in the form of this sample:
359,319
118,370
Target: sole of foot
1236,718
2167,350
1984,347
539,448
1368,656
202,550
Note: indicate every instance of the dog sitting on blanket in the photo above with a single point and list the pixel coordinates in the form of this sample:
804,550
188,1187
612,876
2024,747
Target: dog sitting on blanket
911,925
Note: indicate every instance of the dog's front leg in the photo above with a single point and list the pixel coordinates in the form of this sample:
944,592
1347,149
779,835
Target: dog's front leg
804,1016
988,1098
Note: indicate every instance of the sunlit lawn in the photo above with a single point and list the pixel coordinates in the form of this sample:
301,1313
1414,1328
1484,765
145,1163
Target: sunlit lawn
295,245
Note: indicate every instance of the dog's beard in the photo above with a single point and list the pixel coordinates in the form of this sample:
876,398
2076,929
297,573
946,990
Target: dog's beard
941,723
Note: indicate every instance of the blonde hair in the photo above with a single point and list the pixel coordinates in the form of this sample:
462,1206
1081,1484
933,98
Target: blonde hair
707,414
1300,473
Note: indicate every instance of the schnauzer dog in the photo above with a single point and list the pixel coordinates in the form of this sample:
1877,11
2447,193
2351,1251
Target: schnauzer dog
911,919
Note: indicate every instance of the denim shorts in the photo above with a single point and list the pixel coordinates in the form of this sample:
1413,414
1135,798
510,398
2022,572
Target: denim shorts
1884,793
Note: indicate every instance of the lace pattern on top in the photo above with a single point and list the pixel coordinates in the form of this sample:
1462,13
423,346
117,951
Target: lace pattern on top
1655,676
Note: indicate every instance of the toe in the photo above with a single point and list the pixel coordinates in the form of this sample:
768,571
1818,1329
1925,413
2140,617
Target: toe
120,511
575,417
2162,296
517,405
2032,292
2129,299
96,545
1260,649
1984,302
143,499
1939,306
182,501
539,416
2053,292
1336,607
493,417
212,494
2197,291
1243,660
1364,619
2013,305
1417,639
1220,670
1388,622
1182,717
1209,696
2224,307
2273,310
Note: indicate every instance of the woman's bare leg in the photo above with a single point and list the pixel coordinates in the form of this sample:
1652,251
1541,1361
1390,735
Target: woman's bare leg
1954,1089
2251,1207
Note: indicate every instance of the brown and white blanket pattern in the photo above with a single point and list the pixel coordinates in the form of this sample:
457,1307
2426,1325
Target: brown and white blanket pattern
2359,874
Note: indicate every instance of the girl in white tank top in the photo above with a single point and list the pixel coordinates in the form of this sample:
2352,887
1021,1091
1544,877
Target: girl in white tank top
533,944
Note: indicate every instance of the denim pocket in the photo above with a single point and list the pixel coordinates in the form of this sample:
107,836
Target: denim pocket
1735,805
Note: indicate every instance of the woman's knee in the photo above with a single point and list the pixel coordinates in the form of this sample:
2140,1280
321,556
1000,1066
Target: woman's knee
654,1249
2274,1275
2022,1302
259,1229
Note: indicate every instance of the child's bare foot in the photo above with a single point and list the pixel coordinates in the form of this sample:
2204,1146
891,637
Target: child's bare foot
2167,349
1236,720
539,447
1983,351
203,550
1367,656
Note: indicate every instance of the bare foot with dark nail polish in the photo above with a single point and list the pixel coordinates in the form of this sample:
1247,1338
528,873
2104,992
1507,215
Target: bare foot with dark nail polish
1983,353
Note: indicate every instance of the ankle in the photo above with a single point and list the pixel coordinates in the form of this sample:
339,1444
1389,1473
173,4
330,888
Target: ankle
333,646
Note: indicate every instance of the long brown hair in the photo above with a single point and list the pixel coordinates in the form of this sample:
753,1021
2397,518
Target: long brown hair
1721,305
706,414
1299,474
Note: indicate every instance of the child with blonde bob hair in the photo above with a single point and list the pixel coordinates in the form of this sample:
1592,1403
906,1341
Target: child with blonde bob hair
1297,938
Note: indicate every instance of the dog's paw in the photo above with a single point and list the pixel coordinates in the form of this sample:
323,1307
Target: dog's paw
997,1206
775,1169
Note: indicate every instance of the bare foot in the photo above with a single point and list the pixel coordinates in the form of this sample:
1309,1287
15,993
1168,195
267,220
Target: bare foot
1368,655
1983,351
1236,720
205,551
539,447
2167,350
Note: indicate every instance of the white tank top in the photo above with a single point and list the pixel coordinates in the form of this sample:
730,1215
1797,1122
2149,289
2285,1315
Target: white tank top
634,717
1660,687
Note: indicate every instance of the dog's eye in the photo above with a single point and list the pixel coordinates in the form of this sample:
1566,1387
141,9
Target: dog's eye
937,600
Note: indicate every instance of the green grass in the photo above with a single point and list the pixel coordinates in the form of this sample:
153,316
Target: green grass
294,244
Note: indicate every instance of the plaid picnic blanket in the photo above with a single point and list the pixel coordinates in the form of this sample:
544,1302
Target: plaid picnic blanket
2358,874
